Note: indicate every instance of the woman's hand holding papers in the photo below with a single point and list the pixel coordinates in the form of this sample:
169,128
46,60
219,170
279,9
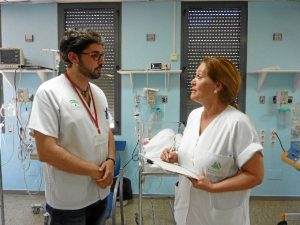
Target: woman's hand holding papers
202,183
168,155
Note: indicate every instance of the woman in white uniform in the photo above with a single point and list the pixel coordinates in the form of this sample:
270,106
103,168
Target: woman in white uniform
220,145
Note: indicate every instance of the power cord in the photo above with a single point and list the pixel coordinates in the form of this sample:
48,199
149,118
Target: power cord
279,141
134,156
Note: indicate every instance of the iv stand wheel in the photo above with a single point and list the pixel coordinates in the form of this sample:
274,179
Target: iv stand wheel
35,210
46,218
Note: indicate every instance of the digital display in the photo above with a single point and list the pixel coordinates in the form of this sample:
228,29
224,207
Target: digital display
156,66
11,58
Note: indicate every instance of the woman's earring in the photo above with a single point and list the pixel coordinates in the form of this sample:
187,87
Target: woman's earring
215,91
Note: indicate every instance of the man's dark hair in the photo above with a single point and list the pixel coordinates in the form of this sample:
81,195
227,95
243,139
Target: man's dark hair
76,40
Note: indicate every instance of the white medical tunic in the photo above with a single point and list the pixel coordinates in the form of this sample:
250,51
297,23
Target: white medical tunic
58,112
226,144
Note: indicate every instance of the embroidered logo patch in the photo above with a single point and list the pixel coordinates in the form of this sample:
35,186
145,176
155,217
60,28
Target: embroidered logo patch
216,166
74,104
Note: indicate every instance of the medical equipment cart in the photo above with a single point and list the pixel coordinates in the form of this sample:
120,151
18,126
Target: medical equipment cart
147,169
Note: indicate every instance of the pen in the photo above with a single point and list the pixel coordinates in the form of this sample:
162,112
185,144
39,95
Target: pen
172,149
106,114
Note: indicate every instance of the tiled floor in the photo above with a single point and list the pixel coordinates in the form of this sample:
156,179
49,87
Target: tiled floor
155,212
18,211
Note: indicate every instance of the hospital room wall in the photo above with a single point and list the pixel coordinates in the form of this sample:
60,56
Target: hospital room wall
141,18
16,21
264,19
138,19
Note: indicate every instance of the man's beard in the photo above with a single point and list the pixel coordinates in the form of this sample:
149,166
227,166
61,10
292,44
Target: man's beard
88,72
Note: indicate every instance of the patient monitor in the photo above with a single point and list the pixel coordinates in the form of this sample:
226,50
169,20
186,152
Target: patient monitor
11,58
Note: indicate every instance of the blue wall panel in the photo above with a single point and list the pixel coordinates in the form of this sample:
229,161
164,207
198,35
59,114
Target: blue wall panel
138,19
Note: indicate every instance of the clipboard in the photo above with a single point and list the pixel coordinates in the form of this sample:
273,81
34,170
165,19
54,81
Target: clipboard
171,167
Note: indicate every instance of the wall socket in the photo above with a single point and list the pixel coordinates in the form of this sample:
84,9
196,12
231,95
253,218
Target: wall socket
273,137
22,95
262,137
262,99
164,99
173,56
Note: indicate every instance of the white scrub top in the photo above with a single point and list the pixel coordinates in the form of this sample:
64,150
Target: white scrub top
58,112
227,143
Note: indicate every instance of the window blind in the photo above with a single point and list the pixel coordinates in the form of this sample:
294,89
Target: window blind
105,20
209,29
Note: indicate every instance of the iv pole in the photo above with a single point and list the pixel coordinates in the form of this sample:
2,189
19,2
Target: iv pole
1,184
2,201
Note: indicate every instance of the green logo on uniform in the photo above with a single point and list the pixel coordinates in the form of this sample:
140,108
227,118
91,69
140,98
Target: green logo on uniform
74,104
216,166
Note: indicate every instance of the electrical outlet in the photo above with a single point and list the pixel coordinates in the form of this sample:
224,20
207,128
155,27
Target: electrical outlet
22,95
173,56
10,128
164,99
262,136
262,99
137,99
273,137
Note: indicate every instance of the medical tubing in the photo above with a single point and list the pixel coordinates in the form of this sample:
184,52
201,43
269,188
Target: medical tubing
132,155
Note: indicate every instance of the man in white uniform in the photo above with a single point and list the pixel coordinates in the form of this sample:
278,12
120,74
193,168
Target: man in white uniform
220,145
70,121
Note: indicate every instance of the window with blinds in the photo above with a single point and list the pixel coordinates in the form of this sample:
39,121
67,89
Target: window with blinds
104,18
211,29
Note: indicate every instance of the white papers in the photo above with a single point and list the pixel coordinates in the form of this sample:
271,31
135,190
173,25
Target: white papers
171,167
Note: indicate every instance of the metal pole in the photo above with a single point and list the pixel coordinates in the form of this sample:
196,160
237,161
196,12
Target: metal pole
2,200
140,216
141,168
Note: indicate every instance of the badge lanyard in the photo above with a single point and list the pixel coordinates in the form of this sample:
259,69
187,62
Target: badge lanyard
95,119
